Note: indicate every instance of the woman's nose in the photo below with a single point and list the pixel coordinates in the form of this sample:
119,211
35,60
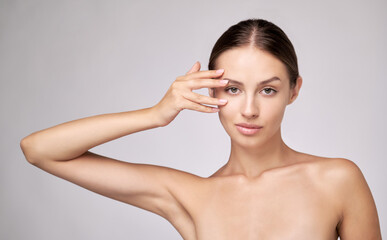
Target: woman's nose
250,108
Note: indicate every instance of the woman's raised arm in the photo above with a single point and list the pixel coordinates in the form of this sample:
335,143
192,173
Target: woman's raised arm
69,140
62,150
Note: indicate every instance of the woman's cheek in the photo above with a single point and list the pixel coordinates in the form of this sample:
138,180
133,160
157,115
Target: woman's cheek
228,112
275,113
231,107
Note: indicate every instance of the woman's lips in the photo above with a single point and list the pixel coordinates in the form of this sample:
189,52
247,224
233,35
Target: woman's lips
248,129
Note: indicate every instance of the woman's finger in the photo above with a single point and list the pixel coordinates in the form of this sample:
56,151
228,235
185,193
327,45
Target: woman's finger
201,108
205,83
203,74
175,101
194,68
202,99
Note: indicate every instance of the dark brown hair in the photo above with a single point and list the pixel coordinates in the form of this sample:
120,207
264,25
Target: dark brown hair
263,35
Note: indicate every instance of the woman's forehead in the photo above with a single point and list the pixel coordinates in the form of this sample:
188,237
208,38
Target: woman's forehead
247,63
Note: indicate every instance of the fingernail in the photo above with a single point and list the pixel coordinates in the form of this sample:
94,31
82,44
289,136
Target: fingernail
222,100
219,71
223,81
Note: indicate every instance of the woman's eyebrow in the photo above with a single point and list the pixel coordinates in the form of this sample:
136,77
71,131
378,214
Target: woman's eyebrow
275,78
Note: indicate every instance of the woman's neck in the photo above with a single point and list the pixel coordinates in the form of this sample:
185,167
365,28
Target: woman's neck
253,161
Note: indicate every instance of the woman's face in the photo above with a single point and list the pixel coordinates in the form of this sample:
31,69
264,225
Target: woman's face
250,100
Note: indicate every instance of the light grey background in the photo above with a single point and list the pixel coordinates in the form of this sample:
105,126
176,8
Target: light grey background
64,60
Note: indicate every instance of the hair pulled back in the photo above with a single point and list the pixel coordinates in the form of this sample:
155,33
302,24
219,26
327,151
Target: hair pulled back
263,35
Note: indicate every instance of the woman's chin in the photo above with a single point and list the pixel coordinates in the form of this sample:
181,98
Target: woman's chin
247,142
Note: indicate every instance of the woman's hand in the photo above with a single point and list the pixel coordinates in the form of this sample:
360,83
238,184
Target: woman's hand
180,96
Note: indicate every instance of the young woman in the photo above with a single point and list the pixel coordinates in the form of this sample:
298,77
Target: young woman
266,190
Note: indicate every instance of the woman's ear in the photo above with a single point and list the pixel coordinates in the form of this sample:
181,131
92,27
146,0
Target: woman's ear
295,91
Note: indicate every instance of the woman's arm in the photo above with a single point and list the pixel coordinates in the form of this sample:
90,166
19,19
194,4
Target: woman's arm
62,150
359,214
71,139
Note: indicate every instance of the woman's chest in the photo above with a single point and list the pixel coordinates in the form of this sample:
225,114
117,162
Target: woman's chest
266,209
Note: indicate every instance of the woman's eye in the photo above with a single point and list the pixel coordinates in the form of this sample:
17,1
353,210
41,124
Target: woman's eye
233,90
269,90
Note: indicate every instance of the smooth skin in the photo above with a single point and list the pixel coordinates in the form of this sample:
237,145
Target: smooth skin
265,191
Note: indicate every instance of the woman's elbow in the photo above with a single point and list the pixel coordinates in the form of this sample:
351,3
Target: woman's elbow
29,150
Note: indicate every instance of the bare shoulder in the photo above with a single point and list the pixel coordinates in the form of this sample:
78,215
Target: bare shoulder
359,214
334,174
341,168
345,182
339,173
337,168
